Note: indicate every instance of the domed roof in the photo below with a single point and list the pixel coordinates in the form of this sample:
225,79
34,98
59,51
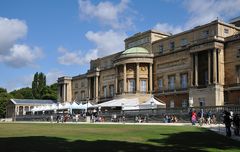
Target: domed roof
136,50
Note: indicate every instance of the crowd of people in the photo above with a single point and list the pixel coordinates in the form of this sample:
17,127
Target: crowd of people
202,117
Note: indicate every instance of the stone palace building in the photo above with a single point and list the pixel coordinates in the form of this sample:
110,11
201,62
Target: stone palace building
200,66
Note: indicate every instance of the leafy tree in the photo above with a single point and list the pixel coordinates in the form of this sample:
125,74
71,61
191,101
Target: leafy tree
2,90
4,99
23,93
38,85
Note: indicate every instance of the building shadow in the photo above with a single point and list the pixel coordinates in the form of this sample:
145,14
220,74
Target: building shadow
185,141
197,141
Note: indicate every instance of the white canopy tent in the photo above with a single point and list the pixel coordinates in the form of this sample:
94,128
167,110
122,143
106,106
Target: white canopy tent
118,103
152,103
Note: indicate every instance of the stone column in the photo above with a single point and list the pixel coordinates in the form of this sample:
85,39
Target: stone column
24,111
196,69
137,78
192,72
124,78
116,80
89,88
150,78
96,88
214,66
209,67
66,98
63,93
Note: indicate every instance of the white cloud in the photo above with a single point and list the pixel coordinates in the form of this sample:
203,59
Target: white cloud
11,53
107,42
167,28
21,55
76,57
202,12
11,30
53,75
207,10
115,15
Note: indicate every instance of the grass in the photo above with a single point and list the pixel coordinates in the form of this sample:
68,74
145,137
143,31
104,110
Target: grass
15,137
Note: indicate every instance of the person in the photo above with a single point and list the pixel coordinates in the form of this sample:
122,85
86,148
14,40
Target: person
77,117
194,117
209,116
236,121
51,118
227,121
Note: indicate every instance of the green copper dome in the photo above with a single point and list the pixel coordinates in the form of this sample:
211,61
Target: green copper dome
136,50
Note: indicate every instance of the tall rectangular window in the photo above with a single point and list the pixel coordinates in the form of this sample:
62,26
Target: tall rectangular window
131,85
105,91
184,81
111,89
160,48
120,86
143,86
171,45
82,95
171,82
160,84
238,74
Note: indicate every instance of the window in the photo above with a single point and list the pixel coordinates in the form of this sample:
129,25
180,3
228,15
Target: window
205,33
111,88
184,104
83,95
161,48
160,85
82,84
184,42
172,45
143,86
131,86
201,102
105,91
120,86
184,81
226,31
171,82
172,104
238,53
76,85
238,74
75,95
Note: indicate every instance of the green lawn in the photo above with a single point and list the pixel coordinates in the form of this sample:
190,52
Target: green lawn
16,137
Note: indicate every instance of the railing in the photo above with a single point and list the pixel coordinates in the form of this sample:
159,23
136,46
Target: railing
152,115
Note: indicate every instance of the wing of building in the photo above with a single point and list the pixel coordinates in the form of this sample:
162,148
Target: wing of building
200,67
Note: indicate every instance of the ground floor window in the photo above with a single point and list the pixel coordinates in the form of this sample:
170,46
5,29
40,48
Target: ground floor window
105,91
111,88
131,85
172,104
185,103
143,85
201,102
120,88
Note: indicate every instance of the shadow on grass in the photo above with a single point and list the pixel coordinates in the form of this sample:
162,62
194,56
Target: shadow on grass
186,141
197,141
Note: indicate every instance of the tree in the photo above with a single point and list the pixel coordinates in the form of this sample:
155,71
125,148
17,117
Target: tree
4,99
50,92
23,93
38,85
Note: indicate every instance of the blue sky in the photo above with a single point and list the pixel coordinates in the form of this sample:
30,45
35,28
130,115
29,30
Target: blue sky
60,37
